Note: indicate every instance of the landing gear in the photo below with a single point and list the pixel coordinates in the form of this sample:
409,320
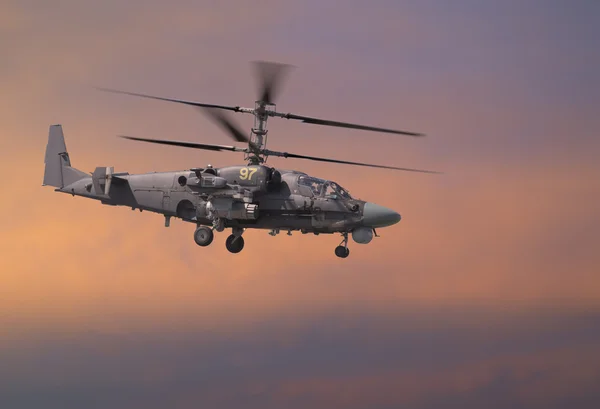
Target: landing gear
203,236
342,251
234,243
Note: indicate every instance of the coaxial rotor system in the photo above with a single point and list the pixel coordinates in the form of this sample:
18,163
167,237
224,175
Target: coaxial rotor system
270,76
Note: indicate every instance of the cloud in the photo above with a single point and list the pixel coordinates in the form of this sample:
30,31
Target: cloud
419,358
531,380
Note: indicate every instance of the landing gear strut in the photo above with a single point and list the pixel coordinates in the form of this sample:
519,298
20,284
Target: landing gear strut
203,236
342,251
235,242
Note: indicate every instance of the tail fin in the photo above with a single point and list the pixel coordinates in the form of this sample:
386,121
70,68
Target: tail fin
58,171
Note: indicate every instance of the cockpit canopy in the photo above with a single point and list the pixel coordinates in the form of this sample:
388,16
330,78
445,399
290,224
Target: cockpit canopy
311,186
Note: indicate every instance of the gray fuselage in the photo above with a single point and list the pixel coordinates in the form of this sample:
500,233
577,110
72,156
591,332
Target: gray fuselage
280,199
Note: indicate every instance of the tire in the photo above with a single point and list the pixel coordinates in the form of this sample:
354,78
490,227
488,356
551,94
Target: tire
342,252
203,236
234,244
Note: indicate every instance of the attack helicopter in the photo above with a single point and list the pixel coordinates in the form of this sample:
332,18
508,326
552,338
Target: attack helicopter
249,196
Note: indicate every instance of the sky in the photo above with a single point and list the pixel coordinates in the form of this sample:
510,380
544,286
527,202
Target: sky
486,294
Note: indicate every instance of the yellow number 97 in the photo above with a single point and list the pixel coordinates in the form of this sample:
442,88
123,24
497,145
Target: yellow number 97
247,173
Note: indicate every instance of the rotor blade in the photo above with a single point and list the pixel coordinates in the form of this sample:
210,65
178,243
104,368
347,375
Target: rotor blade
205,146
179,101
221,119
327,122
270,75
293,155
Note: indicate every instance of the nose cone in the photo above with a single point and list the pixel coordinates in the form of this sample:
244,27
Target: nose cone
379,216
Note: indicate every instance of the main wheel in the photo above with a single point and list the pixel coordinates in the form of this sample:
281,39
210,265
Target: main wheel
342,251
234,244
203,236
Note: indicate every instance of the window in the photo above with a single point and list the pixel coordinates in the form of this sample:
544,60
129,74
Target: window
340,191
314,184
330,190
311,186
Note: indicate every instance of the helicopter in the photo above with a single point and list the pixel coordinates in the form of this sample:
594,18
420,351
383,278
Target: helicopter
249,196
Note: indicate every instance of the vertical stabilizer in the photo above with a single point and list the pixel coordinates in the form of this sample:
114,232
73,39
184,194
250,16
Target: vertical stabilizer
58,171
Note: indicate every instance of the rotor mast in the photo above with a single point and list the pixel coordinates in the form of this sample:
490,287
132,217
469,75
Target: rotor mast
257,153
269,75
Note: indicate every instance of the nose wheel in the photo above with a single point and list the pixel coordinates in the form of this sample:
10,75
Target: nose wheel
342,251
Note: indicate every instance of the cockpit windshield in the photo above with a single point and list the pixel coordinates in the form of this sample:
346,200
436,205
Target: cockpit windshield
323,188
338,190
315,184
